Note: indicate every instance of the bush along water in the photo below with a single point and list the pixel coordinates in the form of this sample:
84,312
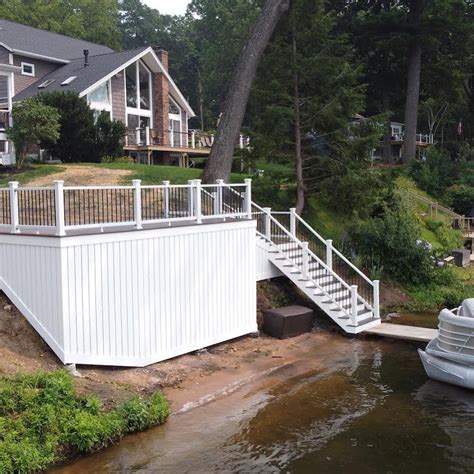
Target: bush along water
43,421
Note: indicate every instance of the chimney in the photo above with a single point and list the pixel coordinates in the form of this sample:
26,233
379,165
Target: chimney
86,57
162,56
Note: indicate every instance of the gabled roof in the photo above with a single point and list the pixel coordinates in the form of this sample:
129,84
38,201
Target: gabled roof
101,68
86,76
33,42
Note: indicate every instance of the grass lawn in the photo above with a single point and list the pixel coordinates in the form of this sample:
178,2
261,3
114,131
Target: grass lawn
158,174
24,176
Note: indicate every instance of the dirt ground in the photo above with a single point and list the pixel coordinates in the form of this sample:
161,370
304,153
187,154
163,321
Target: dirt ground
23,351
81,175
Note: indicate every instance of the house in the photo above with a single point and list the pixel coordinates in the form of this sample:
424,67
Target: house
132,86
397,137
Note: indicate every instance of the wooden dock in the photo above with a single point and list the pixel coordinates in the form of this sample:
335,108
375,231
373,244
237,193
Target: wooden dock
398,331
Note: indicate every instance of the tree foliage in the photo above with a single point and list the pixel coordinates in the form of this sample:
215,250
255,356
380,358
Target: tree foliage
33,122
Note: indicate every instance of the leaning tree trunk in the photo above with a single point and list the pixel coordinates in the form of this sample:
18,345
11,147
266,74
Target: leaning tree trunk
413,82
219,163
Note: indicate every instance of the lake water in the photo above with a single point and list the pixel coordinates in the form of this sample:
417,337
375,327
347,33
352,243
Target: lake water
371,410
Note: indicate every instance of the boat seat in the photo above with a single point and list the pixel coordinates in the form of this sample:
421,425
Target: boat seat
467,308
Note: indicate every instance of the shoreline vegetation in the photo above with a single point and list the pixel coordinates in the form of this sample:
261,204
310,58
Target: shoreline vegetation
43,421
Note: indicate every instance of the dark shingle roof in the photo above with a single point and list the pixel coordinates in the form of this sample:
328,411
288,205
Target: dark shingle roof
99,67
33,40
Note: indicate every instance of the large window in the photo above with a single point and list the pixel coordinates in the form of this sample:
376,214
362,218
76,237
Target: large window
99,100
138,86
101,94
176,138
131,80
144,77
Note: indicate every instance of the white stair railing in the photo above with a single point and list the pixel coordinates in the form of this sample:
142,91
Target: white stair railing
300,256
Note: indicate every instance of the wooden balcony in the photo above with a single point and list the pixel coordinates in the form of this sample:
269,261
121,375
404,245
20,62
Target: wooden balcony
422,140
194,142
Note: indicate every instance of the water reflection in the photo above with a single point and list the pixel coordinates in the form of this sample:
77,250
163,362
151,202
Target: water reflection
371,411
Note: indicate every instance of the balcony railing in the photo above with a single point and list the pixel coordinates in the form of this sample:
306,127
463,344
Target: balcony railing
194,139
421,138
60,210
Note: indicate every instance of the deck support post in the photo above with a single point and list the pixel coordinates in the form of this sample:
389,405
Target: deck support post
376,299
166,198
13,186
248,198
293,221
59,207
268,213
220,185
197,201
329,253
137,203
354,305
305,256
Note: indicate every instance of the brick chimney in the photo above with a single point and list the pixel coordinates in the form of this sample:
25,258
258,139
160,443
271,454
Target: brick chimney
161,101
162,56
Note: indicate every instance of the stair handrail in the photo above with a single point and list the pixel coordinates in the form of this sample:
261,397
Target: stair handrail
315,257
337,252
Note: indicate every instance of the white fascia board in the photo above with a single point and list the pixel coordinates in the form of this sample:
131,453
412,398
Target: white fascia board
6,47
173,87
27,54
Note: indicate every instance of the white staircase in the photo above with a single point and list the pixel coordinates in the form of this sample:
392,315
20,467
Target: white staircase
328,278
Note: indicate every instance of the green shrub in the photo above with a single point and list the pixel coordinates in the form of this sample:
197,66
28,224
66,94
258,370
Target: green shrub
461,198
434,174
392,241
42,420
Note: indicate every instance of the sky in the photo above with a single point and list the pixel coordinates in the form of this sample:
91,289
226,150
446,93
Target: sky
169,7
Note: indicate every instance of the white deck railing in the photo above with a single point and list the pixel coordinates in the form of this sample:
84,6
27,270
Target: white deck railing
59,209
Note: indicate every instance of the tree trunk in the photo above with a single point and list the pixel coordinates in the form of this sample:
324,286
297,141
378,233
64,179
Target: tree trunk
300,194
387,134
201,99
413,83
219,163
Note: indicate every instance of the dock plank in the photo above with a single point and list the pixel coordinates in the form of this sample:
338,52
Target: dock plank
398,331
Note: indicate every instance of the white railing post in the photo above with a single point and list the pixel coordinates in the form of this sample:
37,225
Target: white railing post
329,253
268,213
376,299
137,136
241,141
59,207
166,198
193,139
354,305
147,135
212,140
137,203
191,198
197,201
13,186
248,198
305,255
220,204
293,221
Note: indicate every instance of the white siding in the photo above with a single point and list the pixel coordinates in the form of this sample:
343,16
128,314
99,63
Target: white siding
135,298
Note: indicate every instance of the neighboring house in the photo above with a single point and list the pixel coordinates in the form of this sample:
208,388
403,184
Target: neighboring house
397,137
132,86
